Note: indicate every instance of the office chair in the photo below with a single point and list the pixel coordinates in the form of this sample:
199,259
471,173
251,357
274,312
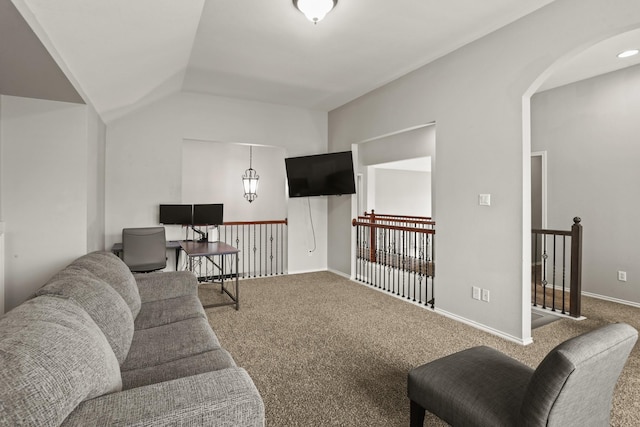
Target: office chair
572,387
144,249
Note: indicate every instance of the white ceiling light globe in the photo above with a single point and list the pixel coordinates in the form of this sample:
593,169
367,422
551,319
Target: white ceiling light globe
315,10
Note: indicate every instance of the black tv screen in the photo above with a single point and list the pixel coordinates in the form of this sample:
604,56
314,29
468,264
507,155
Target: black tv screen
321,174
175,214
208,214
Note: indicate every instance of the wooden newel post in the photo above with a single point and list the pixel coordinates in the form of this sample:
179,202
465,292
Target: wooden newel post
372,237
576,268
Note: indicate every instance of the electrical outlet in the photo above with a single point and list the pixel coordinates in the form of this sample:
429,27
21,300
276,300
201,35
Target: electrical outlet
485,295
622,276
475,294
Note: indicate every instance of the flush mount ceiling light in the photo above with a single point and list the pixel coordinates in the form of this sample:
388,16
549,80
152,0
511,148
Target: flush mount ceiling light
628,53
315,10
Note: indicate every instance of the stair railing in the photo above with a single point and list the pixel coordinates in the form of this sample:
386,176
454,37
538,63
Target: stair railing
395,253
549,260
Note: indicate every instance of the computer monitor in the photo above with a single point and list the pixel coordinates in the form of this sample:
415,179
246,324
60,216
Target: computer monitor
210,214
176,214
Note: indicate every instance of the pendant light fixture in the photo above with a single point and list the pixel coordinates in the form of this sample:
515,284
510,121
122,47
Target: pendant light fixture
250,180
315,10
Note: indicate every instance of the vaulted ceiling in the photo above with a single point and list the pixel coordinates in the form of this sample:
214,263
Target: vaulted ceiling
122,54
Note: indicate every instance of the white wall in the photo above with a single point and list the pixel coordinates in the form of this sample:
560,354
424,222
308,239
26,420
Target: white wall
402,192
478,96
144,160
590,131
43,189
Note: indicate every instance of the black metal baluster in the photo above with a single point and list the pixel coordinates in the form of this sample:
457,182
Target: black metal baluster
386,258
544,271
413,262
430,262
271,245
357,252
421,259
553,277
564,269
404,260
534,263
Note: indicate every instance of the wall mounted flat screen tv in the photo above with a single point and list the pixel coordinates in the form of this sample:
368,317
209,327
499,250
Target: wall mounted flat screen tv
321,175
210,214
175,214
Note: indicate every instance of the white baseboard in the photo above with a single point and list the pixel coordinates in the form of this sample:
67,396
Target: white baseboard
484,328
452,316
616,300
306,271
339,273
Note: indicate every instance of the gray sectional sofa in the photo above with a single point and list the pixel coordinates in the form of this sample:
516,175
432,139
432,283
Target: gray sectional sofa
100,346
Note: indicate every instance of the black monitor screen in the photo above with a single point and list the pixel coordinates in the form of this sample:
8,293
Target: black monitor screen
207,214
175,214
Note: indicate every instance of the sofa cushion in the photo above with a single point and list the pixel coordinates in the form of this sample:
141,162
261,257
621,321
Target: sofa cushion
111,269
224,398
213,360
105,306
53,356
163,312
166,284
167,343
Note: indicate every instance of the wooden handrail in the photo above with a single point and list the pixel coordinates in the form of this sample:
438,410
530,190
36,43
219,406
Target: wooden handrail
551,232
275,221
366,214
393,227
396,219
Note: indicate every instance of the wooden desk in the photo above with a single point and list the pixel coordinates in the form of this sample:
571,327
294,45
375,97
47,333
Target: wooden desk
210,250
171,244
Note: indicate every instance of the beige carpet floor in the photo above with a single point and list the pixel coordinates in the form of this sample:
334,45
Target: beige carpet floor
325,351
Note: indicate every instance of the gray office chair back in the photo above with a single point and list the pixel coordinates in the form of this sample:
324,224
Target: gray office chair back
144,249
574,384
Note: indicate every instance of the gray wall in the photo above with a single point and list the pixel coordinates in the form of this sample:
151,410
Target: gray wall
96,142
590,131
44,190
478,96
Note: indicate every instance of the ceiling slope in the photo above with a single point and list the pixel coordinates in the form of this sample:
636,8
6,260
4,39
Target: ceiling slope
26,67
121,52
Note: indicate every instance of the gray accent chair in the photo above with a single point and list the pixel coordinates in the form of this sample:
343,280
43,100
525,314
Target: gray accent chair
480,386
144,249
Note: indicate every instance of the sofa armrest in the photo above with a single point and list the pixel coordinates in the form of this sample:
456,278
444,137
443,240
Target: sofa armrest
226,397
164,285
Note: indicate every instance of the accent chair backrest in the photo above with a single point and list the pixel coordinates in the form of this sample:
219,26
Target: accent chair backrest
144,249
574,384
